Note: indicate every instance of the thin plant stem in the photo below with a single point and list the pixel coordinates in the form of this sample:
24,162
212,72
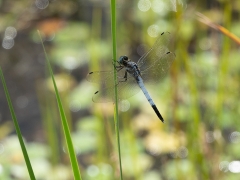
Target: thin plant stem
114,54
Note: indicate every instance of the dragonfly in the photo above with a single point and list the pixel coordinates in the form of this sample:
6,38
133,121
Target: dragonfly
152,67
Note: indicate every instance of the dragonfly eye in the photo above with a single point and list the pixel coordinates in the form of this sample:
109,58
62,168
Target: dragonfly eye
122,59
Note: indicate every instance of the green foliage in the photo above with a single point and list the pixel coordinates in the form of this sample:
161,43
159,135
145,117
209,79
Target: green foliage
198,98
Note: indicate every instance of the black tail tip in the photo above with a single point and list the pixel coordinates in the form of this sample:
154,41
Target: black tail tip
158,113
161,118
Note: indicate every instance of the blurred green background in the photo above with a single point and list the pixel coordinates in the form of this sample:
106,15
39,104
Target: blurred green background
199,98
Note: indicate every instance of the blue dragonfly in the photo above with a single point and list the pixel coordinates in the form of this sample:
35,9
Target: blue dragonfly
151,67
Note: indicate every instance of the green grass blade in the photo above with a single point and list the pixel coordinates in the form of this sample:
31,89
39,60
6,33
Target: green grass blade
70,148
114,53
26,158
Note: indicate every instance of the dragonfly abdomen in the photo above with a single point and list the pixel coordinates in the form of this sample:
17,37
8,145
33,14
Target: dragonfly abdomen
145,92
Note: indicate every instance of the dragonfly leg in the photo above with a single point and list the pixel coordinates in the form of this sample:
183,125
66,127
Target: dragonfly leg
124,78
118,68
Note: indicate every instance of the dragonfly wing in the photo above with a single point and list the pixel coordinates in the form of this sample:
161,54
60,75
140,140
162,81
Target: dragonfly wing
106,82
100,77
159,49
125,89
156,62
128,88
158,70
103,95
104,77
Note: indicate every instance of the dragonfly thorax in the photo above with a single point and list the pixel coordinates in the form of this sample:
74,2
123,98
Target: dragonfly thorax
131,67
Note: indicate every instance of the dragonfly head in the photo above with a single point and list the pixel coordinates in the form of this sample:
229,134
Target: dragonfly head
123,60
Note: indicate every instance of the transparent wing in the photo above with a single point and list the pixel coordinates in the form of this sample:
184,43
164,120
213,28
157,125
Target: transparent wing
158,70
104,77
157,61
126,88
100,77
159,48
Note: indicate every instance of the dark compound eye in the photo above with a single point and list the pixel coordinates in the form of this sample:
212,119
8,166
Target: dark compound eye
125,57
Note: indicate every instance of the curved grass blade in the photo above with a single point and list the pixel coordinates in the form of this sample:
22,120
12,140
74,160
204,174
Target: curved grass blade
18,131
208,22
70,148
